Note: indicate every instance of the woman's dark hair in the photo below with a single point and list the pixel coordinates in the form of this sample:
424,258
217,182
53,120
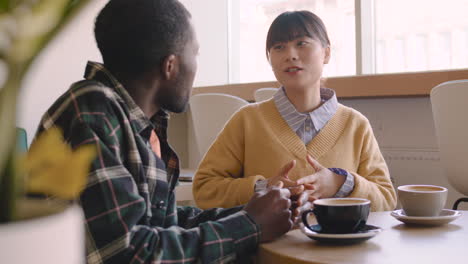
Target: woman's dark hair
292,25
135,36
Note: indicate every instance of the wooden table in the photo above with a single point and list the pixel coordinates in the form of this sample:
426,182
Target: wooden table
396,244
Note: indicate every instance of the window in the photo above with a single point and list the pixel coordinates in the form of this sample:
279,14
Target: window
255,18
367,36
429,34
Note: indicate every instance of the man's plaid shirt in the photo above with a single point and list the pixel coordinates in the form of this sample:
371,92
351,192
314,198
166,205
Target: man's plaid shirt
129,203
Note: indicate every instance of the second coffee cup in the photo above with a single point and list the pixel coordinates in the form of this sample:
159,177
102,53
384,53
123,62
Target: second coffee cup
339,215
422,200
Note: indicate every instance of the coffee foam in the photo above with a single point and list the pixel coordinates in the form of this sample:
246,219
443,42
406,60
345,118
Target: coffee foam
343,202
421,188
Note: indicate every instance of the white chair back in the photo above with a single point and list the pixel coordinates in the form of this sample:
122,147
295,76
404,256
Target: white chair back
263,94
450,111
209,112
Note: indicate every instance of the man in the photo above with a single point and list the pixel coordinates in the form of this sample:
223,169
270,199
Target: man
149,49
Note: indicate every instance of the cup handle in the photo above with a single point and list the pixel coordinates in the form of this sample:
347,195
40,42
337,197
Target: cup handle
305,214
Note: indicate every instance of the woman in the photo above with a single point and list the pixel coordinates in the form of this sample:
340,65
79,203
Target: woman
302,136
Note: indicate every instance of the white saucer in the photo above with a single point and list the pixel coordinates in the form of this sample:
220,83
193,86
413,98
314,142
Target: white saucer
445,217
350,238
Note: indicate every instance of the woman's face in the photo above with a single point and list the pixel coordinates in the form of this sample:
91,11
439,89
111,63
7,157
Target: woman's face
298,64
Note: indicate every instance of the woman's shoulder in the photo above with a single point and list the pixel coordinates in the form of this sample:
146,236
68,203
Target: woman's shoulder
353,114
254,112
256,108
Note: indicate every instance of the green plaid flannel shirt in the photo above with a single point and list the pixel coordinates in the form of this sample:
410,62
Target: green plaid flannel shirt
129,204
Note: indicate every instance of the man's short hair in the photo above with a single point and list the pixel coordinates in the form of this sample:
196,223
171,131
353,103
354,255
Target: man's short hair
135,36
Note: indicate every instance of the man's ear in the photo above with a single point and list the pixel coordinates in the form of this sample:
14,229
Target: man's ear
327,55
170,67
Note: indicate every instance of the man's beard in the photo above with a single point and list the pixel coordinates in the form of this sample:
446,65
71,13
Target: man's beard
174,98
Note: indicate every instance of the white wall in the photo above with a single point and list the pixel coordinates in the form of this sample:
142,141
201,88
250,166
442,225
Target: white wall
64,60
210,25
60,64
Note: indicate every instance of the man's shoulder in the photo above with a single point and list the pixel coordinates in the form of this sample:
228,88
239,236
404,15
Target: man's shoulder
87,90
86,94
85,100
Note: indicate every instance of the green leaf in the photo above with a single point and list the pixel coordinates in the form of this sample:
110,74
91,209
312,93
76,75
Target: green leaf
4,6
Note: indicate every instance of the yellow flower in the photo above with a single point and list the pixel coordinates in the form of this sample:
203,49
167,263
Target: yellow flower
54,169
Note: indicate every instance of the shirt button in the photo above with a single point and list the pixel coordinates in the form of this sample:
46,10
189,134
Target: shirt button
307,128
160,205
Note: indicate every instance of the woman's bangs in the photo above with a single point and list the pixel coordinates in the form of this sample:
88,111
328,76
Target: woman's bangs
287,30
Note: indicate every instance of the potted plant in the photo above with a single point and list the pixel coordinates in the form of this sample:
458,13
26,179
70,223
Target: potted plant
49,230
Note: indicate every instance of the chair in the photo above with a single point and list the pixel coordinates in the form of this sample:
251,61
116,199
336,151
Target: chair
209,113
263,94
449,108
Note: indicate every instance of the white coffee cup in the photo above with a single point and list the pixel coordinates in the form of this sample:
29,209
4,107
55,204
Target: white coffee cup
422,200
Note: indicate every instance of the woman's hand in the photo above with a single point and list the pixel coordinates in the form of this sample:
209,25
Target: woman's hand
299,202
283,176
323,183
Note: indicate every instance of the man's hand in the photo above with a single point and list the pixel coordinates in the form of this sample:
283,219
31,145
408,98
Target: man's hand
270,209
323,183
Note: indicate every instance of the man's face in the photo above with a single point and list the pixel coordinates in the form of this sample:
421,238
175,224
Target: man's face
176,94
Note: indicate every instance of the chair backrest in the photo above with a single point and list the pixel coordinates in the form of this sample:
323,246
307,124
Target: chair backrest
21,140
450,111
209,113
263,94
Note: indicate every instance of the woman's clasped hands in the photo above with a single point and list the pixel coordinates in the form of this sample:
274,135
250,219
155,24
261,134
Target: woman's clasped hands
323,183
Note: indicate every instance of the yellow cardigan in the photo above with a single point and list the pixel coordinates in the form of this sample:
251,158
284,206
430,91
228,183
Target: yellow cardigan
257,142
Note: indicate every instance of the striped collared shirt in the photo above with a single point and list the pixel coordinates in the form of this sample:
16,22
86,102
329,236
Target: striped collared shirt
308,125
129,203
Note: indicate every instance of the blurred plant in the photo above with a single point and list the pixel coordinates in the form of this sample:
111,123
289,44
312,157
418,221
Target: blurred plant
26,26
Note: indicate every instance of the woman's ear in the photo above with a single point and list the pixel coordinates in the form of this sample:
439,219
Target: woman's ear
327,55
170,67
